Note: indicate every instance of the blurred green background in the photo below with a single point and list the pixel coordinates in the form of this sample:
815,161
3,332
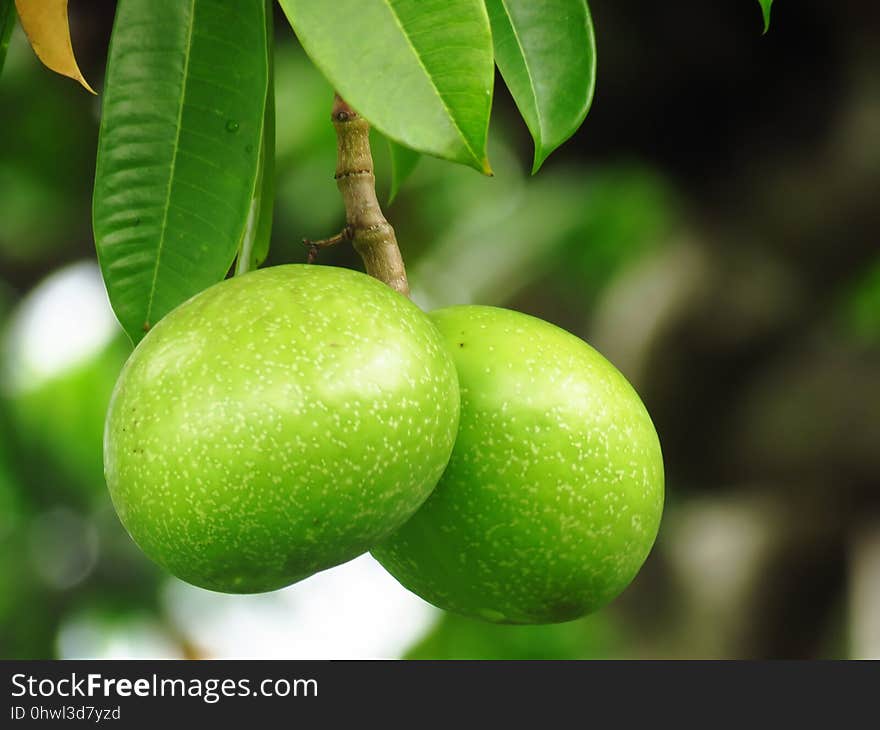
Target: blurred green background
713,229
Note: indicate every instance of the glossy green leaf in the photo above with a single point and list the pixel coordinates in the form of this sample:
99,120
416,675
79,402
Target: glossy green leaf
258,233
419,70
7,23
546,53
179,149
403,162
267,187
766,5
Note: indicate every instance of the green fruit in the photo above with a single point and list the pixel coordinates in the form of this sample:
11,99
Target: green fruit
277,424
553,495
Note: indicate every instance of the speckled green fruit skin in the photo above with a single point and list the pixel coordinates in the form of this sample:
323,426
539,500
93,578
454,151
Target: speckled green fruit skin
553,495
277,424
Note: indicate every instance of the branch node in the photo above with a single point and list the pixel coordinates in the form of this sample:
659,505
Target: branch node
314,246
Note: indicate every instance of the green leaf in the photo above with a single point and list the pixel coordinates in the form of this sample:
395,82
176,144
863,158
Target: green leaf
403,162
267,187
258,233
765,8
179,149
420,71
546,53
7,23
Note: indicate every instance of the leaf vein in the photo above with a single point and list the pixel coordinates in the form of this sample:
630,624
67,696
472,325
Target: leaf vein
164,227
528,69
418,56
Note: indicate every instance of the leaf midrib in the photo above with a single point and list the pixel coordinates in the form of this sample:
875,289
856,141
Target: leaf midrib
164,228
454,121
527,68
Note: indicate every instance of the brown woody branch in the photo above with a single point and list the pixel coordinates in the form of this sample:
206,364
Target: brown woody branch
371,235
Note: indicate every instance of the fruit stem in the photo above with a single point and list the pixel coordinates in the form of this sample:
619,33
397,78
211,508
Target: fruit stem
370,233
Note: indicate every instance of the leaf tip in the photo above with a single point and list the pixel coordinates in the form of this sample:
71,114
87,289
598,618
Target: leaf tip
766,6
541,156
85,85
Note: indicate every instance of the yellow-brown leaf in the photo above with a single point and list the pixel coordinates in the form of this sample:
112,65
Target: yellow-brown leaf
45,23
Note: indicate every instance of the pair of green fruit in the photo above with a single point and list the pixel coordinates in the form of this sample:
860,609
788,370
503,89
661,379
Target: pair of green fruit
288,420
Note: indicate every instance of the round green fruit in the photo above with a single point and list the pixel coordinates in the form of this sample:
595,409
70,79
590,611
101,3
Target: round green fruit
553,495
277,424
